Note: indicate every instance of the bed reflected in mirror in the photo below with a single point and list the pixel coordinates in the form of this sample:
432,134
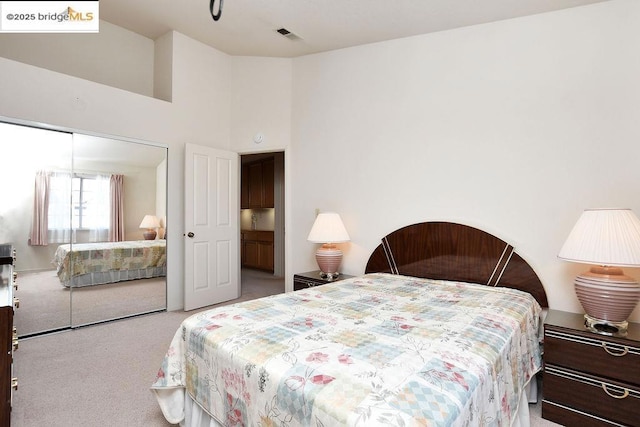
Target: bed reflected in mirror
75,217
115,267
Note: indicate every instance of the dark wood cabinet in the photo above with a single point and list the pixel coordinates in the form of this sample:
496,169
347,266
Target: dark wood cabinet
268,183
590,379
313,278
244,188
257,182
255,185
8,334
257,249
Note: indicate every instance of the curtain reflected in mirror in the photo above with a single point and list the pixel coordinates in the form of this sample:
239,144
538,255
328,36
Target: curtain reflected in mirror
74,217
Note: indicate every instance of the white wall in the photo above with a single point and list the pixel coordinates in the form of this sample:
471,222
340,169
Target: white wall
514,127
260,103
99,57
201,93
163,66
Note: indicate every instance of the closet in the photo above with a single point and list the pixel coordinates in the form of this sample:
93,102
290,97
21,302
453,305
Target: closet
79,168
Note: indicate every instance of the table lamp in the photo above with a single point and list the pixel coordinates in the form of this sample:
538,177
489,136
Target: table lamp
328,229
150,222
609,239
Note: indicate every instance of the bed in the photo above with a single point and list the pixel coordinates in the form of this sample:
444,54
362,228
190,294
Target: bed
88,264
442,329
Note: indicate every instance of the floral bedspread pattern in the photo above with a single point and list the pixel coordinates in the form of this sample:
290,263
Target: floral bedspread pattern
374,350
97,259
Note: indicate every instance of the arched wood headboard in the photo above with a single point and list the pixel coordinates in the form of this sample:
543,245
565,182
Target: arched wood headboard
450,251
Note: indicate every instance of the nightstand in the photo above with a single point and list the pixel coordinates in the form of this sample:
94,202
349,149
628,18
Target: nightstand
312,278
589,379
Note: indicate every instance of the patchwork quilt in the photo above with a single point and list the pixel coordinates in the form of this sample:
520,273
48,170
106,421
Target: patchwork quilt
378,349
83,264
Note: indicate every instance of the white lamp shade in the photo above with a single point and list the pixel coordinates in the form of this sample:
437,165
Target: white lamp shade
609,237
328,228
150,221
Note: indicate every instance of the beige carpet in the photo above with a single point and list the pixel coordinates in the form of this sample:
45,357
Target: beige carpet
47,305
100,375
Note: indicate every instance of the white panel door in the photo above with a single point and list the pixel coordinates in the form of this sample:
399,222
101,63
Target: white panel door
212,266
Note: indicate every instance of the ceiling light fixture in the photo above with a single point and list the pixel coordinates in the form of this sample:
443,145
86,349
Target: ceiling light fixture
212,4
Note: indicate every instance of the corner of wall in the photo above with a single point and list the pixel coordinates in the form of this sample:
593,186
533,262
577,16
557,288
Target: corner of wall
163,67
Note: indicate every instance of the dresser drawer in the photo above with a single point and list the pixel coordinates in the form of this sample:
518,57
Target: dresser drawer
606,357
612,400
572,417
302,283
313,278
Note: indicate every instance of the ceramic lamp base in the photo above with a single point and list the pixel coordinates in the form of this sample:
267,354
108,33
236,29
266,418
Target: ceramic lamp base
329,258
329,276
149,235
608,298
605,327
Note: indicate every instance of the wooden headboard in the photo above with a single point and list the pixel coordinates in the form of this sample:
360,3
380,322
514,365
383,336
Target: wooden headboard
449,251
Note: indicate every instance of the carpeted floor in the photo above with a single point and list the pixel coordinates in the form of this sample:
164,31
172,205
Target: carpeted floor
100,375
47,305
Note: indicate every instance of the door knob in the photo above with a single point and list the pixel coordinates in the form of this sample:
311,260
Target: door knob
190,234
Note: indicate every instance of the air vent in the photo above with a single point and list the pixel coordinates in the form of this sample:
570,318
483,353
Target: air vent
288,34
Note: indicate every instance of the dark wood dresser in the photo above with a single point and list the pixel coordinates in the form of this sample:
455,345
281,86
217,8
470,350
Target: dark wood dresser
313,278
590,379
8,334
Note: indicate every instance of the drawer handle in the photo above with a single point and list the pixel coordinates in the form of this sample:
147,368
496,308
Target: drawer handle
615,396
624,351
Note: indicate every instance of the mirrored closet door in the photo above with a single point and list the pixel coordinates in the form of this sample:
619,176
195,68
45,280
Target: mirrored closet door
28,153
87,219
117,196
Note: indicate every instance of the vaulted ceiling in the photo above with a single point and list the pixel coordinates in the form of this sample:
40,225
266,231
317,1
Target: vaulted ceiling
249,27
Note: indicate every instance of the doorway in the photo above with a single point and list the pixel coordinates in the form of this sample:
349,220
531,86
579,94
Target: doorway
262,197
